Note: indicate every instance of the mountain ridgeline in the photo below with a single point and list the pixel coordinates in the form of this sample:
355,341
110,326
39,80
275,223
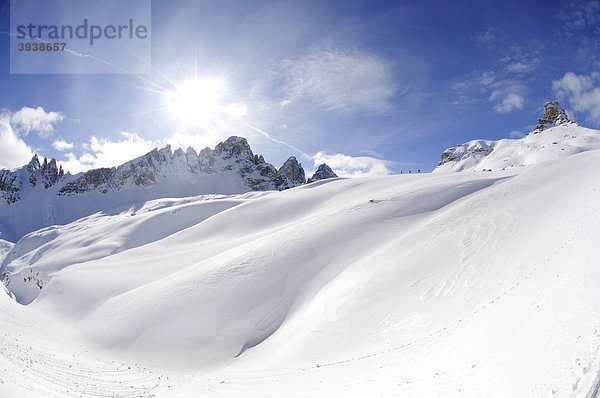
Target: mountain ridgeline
42,194
554,137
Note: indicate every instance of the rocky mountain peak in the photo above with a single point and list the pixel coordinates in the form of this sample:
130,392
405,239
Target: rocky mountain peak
555,137
234,147
50,173
12,182
34,163
231,167
323,172
554,115
293,171
47,171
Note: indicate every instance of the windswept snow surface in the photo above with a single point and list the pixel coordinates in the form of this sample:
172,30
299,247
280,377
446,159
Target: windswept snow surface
5,248
445,284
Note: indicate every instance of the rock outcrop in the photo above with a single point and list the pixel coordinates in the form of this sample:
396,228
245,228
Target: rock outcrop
232,155
554,115
49,196
34,174
323,172
554,137
291,174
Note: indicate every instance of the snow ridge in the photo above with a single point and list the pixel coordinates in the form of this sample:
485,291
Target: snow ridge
555,137
40,194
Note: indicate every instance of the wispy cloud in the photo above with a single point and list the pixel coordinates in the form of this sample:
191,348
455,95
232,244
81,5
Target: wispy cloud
487,78
337,79
487,38
520,67
504,83
353,166
578,15
582,93
37,119
276,140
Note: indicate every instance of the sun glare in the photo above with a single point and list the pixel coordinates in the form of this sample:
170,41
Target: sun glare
196,101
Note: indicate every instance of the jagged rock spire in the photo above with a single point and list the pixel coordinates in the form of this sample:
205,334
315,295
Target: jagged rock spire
293,171
323,172
553,116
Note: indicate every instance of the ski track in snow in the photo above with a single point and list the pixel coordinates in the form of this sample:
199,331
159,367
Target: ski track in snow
44,372
38,365
36,368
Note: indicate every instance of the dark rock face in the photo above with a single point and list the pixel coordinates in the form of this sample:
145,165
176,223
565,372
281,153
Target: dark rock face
460,150
88,182
50,173
323,172
232,155
553,116
141,172
234,147
290,174
447,156
49,196
11,182
9,188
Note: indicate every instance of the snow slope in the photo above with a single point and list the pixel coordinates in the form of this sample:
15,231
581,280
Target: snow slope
5,248
40,194
550,144
445,284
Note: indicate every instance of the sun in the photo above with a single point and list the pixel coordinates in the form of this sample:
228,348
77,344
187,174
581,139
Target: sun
196,102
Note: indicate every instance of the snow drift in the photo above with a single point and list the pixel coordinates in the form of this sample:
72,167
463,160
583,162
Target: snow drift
440,284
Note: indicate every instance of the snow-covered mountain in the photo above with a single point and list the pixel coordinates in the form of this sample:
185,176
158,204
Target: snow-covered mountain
554,137
442,284
428,285
40,194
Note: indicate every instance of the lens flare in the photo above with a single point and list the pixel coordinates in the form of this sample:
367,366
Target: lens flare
196,102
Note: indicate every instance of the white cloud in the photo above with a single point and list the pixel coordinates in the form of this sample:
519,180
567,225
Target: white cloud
581,92
510,102
28,119
353,166
102,152
519,67
506,82
343,80
14,152
487,78
61,145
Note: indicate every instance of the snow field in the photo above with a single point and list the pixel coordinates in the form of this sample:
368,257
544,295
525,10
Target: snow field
472,284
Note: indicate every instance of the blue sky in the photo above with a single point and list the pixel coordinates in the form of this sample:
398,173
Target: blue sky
368,87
